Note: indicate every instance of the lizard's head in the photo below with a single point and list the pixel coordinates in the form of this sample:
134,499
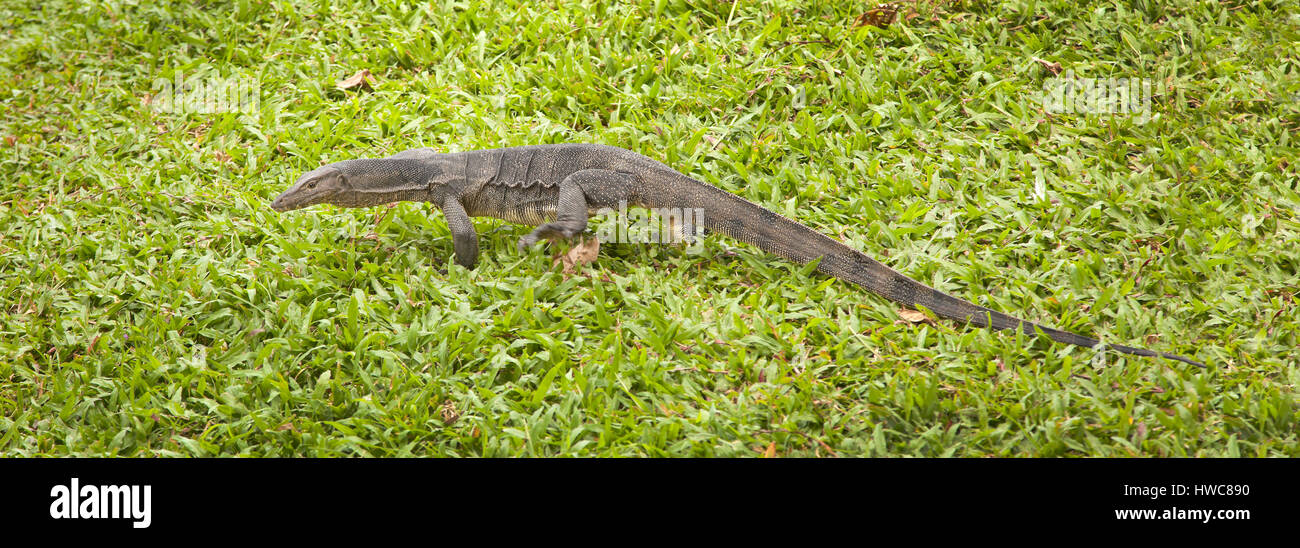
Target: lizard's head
318,186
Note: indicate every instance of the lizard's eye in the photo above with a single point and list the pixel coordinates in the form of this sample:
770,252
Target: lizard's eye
311,185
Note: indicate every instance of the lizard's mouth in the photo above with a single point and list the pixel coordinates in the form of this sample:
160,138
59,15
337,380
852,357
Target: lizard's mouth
280,206
314,187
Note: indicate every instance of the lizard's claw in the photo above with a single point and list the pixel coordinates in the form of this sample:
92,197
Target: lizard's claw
526,242
548,231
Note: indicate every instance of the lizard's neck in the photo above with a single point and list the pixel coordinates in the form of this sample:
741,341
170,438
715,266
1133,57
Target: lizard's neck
379,181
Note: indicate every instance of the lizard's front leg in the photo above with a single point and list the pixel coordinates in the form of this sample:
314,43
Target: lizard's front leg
571,207
463,238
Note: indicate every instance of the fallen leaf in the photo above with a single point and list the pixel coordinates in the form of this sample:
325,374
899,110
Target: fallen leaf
1054,68
449,413
10,140
359,79
880,17
770,453
915,316
583,253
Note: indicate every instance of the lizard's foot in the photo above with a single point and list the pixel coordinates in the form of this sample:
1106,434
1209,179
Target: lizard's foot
527,242
549,231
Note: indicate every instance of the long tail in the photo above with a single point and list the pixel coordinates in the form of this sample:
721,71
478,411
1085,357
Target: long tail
750,223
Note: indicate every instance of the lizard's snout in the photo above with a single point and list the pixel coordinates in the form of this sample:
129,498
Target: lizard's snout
282,203
314,187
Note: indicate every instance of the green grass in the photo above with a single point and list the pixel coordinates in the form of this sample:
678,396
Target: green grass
151,304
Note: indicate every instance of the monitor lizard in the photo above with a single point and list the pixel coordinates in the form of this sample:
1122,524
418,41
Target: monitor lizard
557,187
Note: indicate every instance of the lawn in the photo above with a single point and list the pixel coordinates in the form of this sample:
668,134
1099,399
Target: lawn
152,304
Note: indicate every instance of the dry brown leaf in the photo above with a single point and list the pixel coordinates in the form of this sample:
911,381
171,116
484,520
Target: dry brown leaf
10,140
583,253
359,79
1054,68
770,453
449,413
880,16
915,316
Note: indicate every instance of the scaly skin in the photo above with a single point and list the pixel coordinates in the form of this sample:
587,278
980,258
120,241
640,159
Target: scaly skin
556,187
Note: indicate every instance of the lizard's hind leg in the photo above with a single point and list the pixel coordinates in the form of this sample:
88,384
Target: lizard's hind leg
571,207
